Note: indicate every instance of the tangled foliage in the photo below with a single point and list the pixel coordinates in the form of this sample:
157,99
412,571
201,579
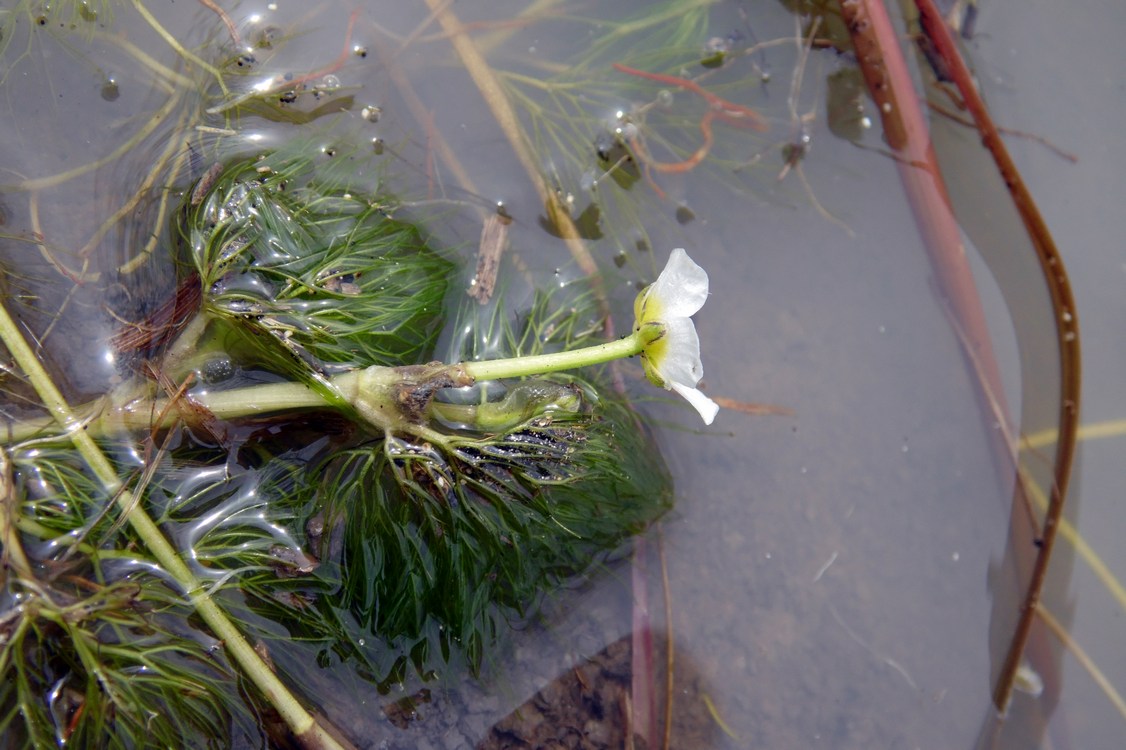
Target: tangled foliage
314,534
440,544
309,273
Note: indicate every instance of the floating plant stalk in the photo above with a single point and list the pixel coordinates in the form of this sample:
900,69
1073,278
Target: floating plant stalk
884,68
1066,325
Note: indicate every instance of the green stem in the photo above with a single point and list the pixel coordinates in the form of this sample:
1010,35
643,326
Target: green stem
373,386
180,49
306,729
516,367
9,520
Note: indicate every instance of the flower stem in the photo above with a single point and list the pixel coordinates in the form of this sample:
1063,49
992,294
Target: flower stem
300,722
544,363
371,385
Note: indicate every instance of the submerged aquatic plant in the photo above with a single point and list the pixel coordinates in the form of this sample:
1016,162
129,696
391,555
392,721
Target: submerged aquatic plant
288,463
282,473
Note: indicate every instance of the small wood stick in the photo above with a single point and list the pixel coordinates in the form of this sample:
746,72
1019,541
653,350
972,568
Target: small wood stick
494,240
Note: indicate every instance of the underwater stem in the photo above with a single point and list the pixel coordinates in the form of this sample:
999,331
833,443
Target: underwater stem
12,550
493,93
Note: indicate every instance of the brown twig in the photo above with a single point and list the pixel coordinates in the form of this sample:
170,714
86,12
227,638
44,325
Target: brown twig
494,240
889,82
1067,333
730,111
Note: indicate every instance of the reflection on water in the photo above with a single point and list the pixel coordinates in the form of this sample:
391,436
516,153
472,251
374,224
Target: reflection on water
831,576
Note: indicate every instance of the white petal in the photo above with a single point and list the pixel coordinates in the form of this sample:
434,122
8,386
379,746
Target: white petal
707,408
678,353
682,288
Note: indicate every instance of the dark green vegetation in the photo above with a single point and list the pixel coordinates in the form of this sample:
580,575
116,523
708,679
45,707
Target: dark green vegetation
319,537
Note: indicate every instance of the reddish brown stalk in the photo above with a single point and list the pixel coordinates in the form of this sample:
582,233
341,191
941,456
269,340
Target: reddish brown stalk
1067,333
670,639
164,322
889,81
644,702
232,29
885,71
190,412
733,114
747,407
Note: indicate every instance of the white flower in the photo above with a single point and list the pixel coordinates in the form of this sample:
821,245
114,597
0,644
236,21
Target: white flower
663,313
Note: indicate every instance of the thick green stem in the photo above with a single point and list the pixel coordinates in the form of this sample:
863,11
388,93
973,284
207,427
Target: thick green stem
300,722
372,391
545,363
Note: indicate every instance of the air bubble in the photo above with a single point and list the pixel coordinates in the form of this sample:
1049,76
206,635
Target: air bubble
110,90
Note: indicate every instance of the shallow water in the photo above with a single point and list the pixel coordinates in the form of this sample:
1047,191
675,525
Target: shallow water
835,576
